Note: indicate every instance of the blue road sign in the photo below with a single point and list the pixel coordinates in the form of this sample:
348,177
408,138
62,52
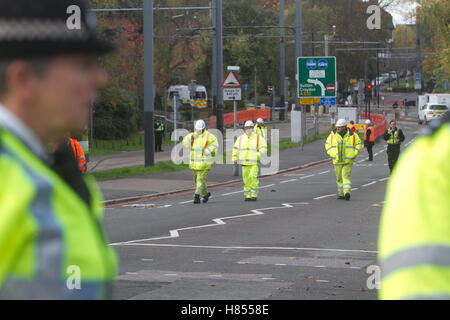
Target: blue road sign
323,64
328,101
245,87
311,64
417,76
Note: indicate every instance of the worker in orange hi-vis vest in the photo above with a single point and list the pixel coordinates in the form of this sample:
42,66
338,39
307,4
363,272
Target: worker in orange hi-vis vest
78,153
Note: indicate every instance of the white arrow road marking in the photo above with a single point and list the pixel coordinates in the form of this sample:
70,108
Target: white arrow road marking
219,221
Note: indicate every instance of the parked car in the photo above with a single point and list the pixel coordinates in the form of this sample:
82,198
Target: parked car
431,111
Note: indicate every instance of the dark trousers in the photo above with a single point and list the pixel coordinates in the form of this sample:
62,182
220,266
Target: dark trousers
369,146
158,140
393,151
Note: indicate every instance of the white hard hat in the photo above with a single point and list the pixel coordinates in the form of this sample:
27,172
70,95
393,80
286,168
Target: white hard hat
200,125
341,123
367,121
249,123
260,120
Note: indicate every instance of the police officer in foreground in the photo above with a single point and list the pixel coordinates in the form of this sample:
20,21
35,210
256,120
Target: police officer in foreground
414,238
394,137
52,241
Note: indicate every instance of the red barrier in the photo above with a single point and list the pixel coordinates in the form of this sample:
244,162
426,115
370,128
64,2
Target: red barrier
241,116
379,122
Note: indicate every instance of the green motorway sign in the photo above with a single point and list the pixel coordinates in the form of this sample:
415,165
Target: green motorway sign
316,77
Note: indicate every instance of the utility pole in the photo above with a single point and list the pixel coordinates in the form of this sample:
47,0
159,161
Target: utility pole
298,53
214,58
282,60
419,53
219,47
148,84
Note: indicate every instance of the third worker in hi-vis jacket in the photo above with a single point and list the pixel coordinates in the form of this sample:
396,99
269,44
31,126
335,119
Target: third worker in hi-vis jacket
343,147
247,152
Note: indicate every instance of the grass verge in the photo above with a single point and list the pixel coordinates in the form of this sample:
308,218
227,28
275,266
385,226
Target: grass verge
134,171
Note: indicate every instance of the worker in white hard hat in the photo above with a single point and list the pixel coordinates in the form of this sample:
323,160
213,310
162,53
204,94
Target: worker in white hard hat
247,151
203,146
260,128
343,147
369,139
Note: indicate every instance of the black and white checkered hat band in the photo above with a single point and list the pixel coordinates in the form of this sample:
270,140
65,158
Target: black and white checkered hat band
40,30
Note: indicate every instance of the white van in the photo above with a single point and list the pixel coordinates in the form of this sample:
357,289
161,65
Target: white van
430,111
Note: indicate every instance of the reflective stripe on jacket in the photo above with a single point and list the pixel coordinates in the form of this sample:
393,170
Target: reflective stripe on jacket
202,150
343,150
248,150
414,236
371,137
262,131
79,155
52,243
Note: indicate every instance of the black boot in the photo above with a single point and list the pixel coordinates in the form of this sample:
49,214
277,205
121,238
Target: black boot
347,196
196,199
205,198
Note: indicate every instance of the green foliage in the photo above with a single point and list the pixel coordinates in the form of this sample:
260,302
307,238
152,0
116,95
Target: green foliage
115,114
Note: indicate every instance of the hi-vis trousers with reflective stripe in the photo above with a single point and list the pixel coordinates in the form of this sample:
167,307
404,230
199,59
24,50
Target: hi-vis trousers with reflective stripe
343,172
251,182
200,182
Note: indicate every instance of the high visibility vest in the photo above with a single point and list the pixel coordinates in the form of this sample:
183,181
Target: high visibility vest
262,131
79,155
159,127
393,137
202,150
248,150
414,237
343,150
372,136
52,242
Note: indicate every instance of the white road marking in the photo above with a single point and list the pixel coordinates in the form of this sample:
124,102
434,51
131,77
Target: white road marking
311,175
268,278
324,172
319,266
357,268
354,189
147,259
327,196
227,194
215,275
184,202
131,272
238,247
268,186
286,181
322,281
369,184
171,274
384,179
280,264
198,261
219,221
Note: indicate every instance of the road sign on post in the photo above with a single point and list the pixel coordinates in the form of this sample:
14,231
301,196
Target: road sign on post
316,77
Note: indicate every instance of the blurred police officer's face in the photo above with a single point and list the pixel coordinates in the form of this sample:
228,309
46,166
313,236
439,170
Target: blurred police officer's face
58,99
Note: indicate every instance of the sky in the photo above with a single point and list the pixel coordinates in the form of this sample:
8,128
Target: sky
399,12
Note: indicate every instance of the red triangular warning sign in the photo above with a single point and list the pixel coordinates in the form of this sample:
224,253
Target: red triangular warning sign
231,81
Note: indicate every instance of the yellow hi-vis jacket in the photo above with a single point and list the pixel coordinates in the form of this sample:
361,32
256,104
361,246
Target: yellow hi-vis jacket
262,131
53,244
343,150
414,236
248,149
202,150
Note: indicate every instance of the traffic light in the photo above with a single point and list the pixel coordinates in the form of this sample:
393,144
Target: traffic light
369,90
270,89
